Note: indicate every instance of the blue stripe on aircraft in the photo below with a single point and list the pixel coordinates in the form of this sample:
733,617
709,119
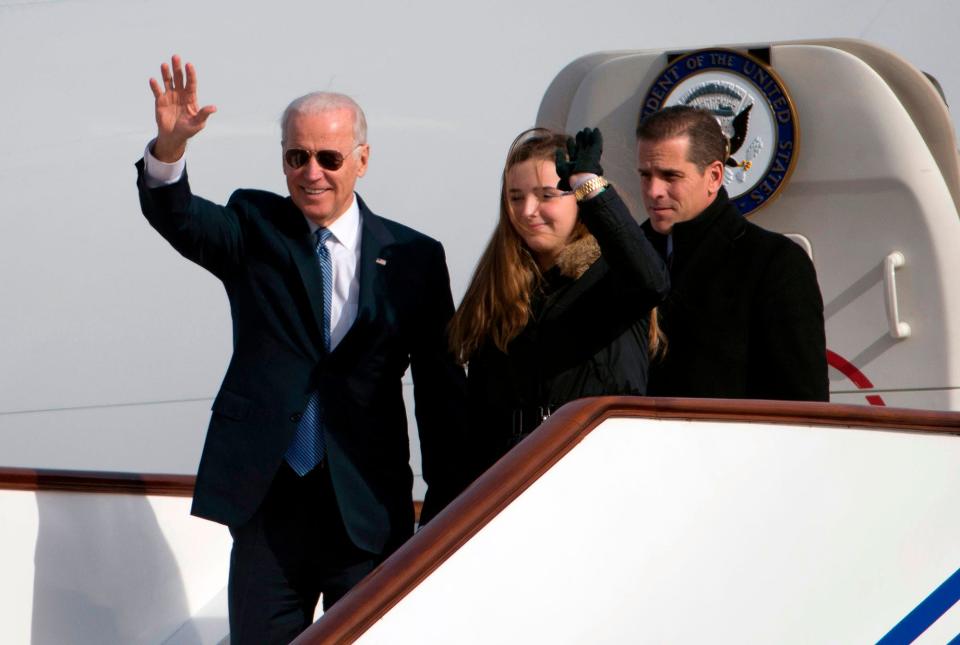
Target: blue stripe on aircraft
926,613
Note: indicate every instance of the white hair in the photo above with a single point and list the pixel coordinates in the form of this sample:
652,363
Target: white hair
316,102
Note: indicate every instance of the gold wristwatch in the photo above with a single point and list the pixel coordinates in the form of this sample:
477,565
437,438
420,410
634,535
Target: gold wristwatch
597,183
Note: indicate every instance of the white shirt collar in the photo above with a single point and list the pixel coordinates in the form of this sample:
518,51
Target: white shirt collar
346,228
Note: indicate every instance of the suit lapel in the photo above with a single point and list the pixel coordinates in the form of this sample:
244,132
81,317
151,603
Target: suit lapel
301,244
375,241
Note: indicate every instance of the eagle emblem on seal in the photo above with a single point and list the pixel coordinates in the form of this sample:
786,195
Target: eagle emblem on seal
753,110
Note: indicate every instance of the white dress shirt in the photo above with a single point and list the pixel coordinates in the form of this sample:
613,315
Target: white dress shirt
343,245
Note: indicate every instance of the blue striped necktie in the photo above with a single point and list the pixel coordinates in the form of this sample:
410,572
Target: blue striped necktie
309,445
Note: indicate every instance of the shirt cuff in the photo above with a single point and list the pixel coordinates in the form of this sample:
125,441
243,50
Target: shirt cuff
581,180
158,173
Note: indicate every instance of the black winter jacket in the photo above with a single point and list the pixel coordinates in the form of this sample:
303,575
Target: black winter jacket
587,335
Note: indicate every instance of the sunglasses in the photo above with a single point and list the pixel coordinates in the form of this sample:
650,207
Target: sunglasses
327,159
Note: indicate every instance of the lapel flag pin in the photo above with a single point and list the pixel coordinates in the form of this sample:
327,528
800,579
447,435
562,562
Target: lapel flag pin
381,262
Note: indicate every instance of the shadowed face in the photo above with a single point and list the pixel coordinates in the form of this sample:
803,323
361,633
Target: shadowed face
542,215
322,194
674,190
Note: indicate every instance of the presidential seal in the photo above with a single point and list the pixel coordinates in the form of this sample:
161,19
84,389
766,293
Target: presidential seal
753,108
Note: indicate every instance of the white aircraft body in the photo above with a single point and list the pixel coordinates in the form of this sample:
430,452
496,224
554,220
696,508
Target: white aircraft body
112,345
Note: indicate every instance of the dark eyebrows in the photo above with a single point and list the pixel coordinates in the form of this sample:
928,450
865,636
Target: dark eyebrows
663,172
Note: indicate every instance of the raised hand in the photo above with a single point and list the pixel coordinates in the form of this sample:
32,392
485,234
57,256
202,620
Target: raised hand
179,115
583,156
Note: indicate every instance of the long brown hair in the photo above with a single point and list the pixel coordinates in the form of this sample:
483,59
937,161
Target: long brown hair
497,303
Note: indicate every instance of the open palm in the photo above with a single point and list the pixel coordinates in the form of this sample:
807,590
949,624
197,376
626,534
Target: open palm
178,113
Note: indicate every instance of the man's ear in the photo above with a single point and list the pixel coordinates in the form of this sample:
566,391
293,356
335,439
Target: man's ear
364,153
714,173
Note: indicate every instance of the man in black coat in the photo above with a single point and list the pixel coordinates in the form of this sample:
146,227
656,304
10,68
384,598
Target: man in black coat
744,318
306,457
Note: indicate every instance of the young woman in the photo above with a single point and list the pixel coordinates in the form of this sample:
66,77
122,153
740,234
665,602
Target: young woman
561,305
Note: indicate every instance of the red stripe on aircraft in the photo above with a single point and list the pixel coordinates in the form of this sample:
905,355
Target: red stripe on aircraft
858,378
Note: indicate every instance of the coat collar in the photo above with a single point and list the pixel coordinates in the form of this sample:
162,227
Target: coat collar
574,260
704,236
687,235
577,270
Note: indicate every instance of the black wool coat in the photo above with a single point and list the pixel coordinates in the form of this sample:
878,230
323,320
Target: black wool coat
587,335
744,318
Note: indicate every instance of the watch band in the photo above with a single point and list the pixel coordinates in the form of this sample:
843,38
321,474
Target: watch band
597,183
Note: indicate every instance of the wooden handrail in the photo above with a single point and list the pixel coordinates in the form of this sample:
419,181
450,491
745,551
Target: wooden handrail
85,481
88,481
366,603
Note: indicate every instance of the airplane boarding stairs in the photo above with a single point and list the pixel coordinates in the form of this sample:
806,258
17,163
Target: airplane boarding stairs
620,520
102,558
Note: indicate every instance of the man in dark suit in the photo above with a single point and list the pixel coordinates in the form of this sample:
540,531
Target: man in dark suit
306,455
744,318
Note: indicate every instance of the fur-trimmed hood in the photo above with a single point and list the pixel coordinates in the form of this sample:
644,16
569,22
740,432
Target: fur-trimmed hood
576,258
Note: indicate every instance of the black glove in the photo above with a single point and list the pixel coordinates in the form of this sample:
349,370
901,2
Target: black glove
584,155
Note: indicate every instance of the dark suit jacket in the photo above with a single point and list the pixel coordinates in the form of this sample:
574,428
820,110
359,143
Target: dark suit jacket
259,245
744,318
